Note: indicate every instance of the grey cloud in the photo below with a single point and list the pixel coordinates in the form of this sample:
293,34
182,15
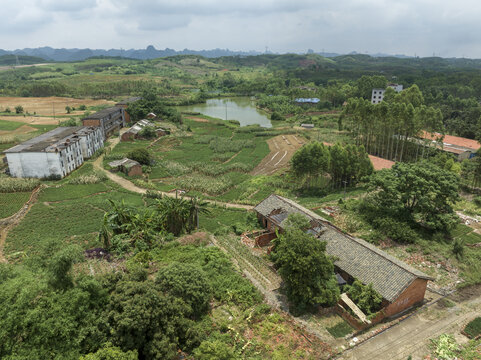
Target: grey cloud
67,5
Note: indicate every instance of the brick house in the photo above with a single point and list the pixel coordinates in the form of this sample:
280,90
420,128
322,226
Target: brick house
400,285
127,166
109,120
124,104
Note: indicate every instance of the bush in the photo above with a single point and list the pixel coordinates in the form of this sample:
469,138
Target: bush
10,185
88,179
140,155
148,132
19,109
395,230
69,122
276,116
365,297
473,328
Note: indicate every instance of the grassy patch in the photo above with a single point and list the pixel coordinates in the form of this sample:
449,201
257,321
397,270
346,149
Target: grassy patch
473,328
340,330
10,203
6,125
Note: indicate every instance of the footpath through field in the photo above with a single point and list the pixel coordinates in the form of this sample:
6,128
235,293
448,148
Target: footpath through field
128,185
411,336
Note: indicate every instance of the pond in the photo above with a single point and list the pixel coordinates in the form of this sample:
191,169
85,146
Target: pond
242,109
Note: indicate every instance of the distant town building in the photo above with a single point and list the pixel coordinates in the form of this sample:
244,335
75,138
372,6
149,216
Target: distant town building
307,100
124,104
109,120
377,95
55,153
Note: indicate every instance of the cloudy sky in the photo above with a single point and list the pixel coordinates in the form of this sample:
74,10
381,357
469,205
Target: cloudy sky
422,27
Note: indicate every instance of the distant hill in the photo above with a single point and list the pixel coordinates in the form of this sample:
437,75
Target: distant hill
51,54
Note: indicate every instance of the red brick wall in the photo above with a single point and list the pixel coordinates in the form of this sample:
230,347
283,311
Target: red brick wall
265,239
91,122
414,294
135,170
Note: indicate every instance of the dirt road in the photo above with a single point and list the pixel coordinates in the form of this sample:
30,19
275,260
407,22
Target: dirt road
282,148
128,185
411,336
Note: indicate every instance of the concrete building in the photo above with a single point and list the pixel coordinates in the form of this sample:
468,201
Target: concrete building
109,120
400,285
133,132
377,95
124,105
55,153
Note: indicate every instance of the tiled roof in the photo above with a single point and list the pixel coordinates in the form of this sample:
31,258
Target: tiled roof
103,113
361,260
380,163
450,140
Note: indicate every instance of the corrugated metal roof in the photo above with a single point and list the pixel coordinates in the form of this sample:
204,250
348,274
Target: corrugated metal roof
389,276
51,140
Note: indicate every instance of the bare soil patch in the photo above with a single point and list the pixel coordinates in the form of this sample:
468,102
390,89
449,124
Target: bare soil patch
34,120
47,105
282,148
197,119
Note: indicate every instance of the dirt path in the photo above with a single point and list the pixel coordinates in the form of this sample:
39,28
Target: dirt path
128,185
411,336
282,148
9,223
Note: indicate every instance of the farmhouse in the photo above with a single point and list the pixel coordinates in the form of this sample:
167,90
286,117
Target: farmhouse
127,166
461,147
400,285
124,104
307,100
109,120
55,153
133,132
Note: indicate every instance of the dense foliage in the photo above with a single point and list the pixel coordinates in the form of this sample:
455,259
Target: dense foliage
419,193
365,297
306,269
346,165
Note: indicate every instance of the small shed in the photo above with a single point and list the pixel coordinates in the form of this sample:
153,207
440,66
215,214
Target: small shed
127,166
307,126
151,116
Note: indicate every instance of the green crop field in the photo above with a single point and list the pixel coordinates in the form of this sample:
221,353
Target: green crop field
10,203
6,125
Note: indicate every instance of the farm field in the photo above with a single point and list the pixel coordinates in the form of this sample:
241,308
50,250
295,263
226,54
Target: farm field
45,106
10,203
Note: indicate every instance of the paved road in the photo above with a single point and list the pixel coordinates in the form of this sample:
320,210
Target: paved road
411,337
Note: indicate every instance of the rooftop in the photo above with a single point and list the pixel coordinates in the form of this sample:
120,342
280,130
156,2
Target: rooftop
56,139
454,142
127,163
361,260
103,113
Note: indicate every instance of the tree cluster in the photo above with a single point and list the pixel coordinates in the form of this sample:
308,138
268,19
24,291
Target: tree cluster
344,164
151,103
419,193
393,129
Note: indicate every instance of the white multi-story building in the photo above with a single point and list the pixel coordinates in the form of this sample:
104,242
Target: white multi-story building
377,95
55,153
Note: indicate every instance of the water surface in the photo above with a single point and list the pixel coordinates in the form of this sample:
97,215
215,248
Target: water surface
242,109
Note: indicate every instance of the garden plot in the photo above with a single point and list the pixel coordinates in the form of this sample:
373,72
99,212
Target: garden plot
281,148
